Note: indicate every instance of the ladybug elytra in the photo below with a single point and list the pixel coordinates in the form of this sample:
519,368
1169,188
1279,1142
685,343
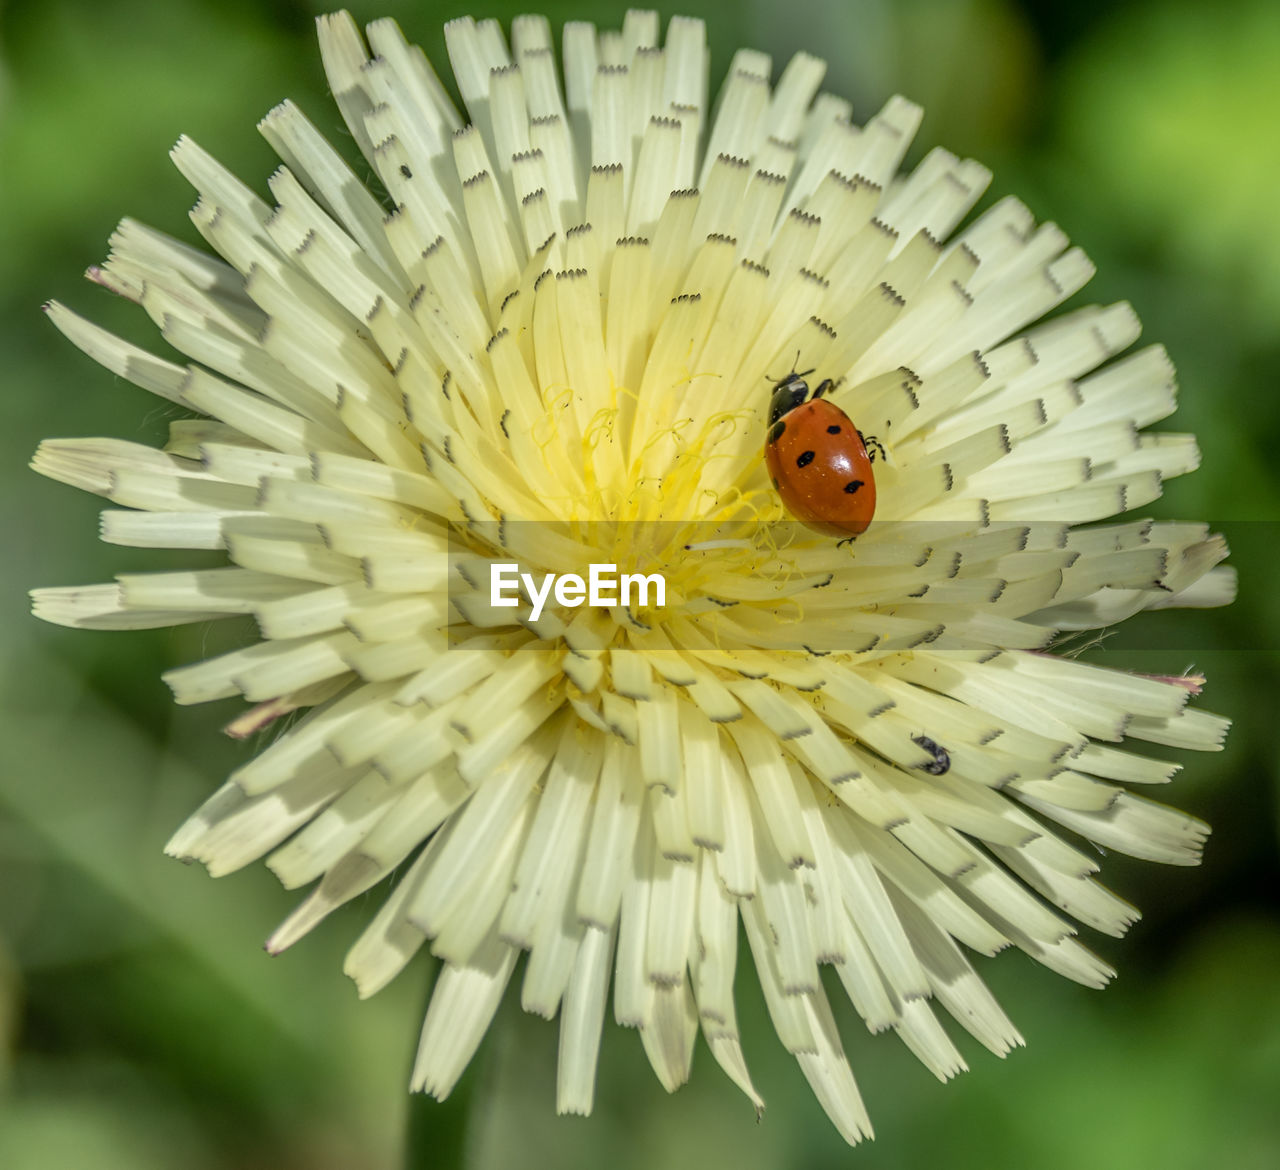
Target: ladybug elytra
819,462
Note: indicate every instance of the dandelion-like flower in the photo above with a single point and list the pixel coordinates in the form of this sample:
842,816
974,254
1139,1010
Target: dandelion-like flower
555,352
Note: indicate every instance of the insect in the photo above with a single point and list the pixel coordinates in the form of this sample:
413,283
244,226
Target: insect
941,761
819,462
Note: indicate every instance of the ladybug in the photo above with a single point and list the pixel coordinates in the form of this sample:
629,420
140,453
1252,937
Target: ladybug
819,462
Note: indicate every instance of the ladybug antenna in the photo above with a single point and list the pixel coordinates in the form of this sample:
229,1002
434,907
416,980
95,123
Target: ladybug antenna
800,373
794,372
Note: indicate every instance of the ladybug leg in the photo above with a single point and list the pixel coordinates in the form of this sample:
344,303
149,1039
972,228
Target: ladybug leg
824,388
846,540
873,445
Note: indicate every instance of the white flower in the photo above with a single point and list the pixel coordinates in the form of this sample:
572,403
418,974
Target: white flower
556,350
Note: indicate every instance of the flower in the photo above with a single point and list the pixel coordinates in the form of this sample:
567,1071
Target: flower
554,352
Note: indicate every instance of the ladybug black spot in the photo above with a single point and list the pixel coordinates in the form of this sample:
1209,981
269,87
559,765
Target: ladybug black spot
833,430
776,431
852,486
805,458
775,484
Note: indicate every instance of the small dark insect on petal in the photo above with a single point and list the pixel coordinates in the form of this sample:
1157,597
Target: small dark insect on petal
804,459
852,486
941,757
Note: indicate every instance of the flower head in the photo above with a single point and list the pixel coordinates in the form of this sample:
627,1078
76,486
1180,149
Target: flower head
555,352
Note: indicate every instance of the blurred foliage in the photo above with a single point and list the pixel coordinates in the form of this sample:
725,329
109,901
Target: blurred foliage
1182,134
140,1024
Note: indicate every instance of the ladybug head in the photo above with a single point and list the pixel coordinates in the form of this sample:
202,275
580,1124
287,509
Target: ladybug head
788,394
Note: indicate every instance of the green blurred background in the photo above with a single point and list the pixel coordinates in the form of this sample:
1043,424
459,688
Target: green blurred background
142,1026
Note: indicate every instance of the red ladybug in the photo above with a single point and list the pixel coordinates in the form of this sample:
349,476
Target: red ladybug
818,460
